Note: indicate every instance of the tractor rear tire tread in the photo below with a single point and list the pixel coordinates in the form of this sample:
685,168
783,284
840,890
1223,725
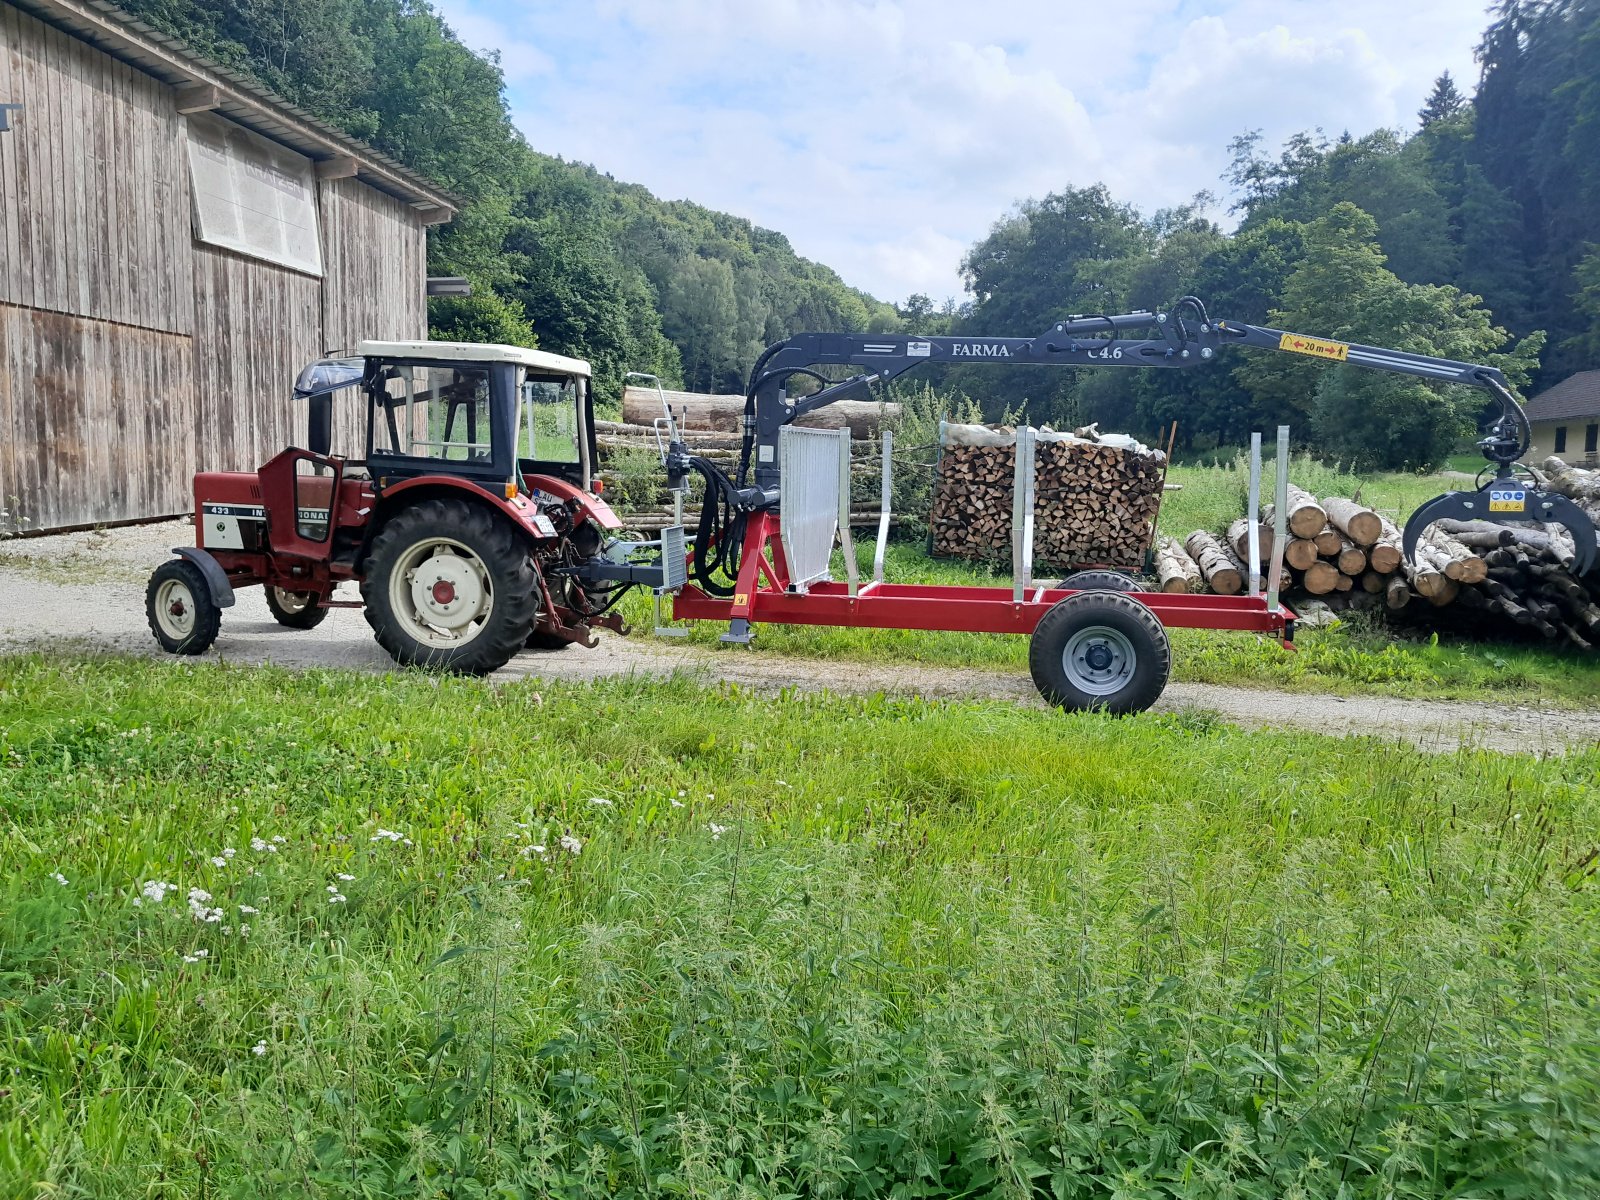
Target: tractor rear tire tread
308,617
207,614
512,579
1120,613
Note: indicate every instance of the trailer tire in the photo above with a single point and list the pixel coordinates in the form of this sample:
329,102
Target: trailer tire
1101,581
480,607
1101,651
294,610
180,610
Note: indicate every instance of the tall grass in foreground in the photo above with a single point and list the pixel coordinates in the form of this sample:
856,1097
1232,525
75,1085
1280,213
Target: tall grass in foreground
431,938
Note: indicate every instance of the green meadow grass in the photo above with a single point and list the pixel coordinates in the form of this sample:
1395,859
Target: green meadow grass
807,947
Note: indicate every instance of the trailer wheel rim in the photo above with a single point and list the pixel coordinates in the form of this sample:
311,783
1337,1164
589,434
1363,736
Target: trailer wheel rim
441,593
175,609
292,602
1099,660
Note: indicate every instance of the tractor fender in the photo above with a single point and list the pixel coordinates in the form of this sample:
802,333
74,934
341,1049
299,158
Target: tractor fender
216,577
521,510
596,509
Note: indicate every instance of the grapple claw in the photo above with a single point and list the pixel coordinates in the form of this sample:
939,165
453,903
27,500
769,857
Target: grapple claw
1506,502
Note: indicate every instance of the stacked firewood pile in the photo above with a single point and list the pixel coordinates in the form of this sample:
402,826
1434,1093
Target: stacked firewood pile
1096,501
1470,574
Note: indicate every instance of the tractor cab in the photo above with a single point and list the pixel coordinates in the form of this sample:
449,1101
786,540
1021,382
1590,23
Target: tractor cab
496,415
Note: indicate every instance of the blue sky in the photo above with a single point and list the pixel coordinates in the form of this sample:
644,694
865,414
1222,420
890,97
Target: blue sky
884,137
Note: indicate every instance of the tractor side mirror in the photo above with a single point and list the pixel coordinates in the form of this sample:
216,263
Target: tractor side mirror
319,424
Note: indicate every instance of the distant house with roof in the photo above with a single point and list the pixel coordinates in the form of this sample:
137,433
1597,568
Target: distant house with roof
1566,420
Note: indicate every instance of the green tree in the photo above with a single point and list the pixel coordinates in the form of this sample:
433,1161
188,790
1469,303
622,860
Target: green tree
1443,103
1342,290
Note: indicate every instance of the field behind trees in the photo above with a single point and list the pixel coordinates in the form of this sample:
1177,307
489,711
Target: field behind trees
306,935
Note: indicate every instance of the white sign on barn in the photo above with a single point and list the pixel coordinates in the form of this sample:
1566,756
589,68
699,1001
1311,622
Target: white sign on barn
253,196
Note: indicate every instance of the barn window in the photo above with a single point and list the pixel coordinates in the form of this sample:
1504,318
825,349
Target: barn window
1561,438
1591,436
253,196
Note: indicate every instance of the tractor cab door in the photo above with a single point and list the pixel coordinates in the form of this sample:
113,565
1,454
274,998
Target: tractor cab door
300,491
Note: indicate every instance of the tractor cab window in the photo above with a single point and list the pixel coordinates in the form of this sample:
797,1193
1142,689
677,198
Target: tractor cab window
549,425
432,412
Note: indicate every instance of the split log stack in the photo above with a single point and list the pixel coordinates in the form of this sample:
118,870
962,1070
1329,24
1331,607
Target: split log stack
1096,503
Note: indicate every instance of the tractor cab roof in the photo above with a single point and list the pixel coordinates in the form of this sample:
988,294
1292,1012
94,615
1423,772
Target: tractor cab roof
538,360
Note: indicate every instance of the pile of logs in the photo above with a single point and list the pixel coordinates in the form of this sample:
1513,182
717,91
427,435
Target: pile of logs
1095,504
1481,574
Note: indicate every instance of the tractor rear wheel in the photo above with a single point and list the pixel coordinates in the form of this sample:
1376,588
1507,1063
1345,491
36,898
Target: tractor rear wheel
1100,650
296,610
180,610
449,585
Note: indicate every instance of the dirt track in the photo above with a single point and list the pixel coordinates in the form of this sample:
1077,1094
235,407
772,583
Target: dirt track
86,592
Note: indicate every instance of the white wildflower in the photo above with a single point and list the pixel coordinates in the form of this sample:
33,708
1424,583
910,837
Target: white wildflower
227,931
155,890
279,838
199,906
259,1049
390,835
346,878
571,844
530,851
218,861
228,852
260,845
59,878
676,803
244,931
717,831
196,956
335,896
601,801
246,909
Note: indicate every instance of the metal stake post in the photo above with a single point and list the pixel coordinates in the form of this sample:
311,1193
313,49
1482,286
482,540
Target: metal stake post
846,542
1255,513
884,506
1280,518
1022,499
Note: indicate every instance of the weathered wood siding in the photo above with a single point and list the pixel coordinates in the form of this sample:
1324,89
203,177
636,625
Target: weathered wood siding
99,418
95,184
261,323
130,354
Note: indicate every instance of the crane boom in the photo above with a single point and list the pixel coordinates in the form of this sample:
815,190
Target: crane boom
1183,338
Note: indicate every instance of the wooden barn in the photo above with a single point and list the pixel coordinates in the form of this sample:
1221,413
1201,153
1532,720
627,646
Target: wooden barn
175,244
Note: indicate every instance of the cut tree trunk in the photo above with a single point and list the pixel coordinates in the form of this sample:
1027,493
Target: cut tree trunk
1239,539
1328,540
1358,522
1306,517
1352,559
1175,569
700,410
1320,578
1300,553
1215,565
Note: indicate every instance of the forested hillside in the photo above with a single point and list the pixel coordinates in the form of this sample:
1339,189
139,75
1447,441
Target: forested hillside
558,252
1471,234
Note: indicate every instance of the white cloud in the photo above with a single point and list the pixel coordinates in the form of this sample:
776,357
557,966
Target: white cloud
883,137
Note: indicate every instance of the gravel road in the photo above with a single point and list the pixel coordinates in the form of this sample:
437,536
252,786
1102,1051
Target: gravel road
85,592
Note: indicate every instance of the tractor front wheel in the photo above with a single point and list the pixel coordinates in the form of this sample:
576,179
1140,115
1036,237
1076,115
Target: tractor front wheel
296,610
179,607
450,586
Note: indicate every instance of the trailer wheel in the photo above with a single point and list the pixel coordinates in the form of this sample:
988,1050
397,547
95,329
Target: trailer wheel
1101,581
180,610
450,586
296,610
1100,650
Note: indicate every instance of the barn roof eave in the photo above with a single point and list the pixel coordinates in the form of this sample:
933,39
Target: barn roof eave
139,44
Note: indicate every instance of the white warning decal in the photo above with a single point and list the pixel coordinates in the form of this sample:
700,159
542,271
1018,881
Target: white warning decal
919,349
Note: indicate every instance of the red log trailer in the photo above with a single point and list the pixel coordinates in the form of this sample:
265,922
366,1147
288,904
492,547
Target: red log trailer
474,528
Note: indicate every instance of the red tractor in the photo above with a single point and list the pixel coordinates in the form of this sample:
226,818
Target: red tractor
471,523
